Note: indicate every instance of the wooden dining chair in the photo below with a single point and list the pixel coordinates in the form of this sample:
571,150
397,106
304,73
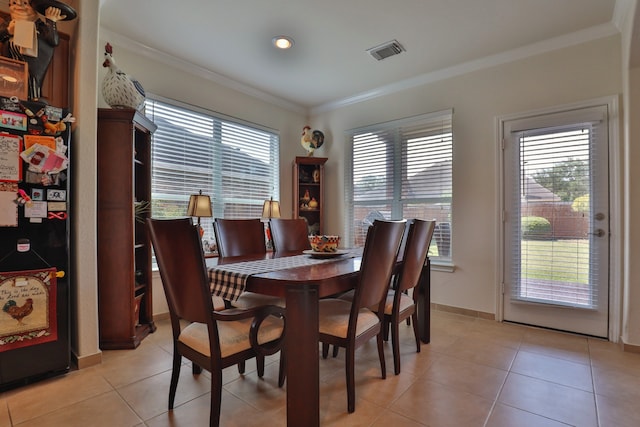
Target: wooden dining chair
289,235
239,237
350,324
399,304
243,237
394,278
212,340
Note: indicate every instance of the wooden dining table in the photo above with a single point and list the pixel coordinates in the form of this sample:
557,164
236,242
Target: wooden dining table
302,287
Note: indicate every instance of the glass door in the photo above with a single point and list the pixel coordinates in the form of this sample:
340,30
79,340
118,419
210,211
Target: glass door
556,233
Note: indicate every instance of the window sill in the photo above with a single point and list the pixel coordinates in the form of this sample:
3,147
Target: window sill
443,266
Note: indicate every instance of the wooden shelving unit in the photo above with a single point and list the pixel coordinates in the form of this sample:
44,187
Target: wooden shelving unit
308,191
124,251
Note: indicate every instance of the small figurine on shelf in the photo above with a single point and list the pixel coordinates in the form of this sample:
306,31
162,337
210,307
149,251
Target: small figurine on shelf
316,175
304,200
313,203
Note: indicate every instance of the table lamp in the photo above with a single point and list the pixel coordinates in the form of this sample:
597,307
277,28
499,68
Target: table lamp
270,209
199,206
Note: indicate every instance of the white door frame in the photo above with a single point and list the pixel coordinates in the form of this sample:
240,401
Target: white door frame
615,196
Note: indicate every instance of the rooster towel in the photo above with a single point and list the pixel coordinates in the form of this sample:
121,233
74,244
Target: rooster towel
27,308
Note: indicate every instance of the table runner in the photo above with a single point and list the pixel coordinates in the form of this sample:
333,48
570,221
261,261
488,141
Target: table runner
229,280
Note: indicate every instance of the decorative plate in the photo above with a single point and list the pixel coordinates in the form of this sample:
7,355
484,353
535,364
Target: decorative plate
315,254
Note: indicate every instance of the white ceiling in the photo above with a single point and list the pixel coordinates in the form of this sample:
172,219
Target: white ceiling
329,65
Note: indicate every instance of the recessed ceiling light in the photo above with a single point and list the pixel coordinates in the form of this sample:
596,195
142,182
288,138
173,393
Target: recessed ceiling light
282,42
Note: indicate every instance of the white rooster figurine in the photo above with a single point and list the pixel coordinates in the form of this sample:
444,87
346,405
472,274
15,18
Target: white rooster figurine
310,141
120,90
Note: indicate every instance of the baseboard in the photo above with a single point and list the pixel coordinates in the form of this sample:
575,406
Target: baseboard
463,311
161,316
630,348
87,361
96,359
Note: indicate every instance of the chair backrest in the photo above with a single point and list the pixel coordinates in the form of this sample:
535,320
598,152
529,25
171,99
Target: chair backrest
403,242
178,250
378,260
289,235
418,240
239,237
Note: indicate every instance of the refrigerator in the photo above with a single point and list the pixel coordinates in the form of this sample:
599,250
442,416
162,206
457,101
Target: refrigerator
34,241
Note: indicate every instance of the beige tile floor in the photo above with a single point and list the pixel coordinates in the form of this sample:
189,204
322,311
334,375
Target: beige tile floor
473,373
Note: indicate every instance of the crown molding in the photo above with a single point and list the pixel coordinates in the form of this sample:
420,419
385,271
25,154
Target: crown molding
196,70
576,38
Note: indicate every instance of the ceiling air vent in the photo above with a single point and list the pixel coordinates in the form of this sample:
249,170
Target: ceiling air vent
386,50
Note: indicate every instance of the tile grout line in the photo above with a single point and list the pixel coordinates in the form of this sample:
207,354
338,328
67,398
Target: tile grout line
496,399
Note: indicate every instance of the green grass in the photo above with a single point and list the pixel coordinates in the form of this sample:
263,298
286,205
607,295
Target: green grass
558,260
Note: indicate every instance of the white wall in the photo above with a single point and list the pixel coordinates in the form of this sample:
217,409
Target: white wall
631,77
631,319
573,74
84,292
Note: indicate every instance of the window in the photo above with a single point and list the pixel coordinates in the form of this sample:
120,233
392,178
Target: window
234,162
401,169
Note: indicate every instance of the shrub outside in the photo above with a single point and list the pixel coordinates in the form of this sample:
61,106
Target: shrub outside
535,227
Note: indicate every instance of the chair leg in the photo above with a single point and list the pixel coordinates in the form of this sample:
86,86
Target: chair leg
216,398
260,363
383,366
196,369
325,350
395,332
336,350
408,318
416,332
241,367
175,375
351,383
282,375
385,329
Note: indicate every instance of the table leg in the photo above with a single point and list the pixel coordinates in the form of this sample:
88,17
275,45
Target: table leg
302,359
424,303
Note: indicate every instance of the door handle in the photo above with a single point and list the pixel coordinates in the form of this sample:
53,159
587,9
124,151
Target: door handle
598,233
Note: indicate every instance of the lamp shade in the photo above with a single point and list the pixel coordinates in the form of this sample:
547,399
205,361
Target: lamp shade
199,205
271,209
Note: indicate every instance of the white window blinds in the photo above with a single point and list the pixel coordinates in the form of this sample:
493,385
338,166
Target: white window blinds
235,163
554,250
401,169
